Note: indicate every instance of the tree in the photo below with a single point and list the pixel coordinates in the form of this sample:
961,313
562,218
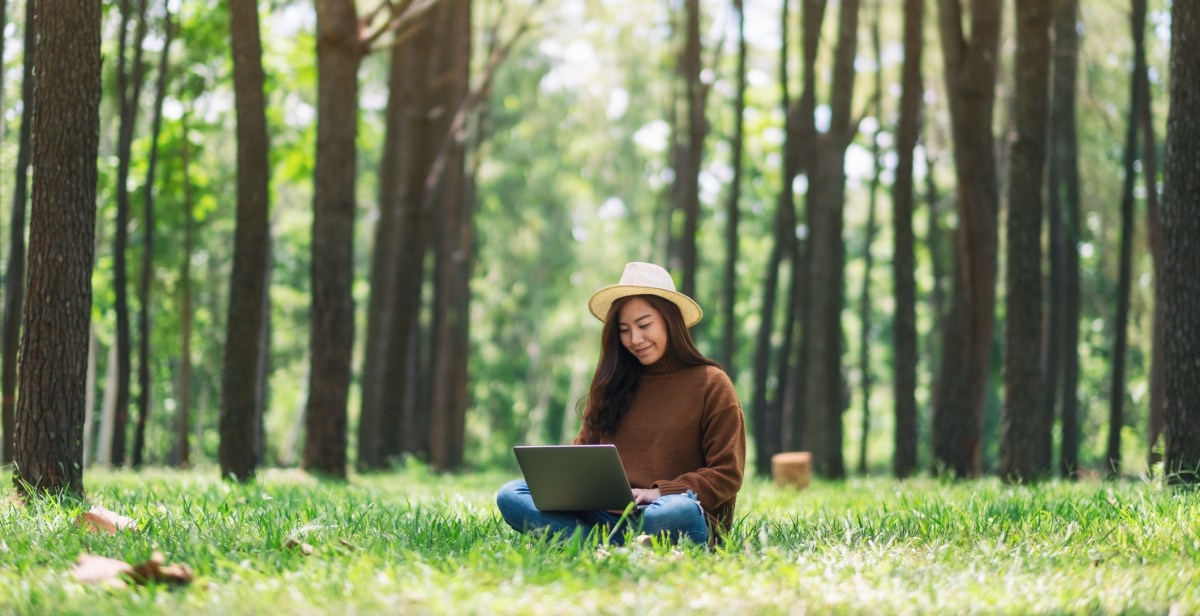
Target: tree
904,327
1023,401
331,334
14,275
454,251
65,137
128,95
243,339
1063,214
1181,235
864,304
767,419
823,382
732,210
1116,400
398,256
147,274
970,73
690,149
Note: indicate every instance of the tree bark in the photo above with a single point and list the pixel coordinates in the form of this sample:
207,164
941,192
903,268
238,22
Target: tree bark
864,303
14,276
128,96
766,419
184,397
454,252
397,264
239,377
691,150
147,276
904,326
66,137
970,74
1062,338
1181,235
1154,240
1023,401
339,52
824,384
1116,397
732,209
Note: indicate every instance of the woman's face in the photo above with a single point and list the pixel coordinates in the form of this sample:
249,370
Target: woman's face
643,331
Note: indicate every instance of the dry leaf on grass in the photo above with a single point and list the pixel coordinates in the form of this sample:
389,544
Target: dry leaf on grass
92,569
154,570
98,519
293,543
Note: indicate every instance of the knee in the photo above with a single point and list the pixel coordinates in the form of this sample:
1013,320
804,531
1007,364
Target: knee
678,515
512,498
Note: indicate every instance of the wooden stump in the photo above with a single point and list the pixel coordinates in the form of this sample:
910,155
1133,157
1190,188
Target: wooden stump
792,468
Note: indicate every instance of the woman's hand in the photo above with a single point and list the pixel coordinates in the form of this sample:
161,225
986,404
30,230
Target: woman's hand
644,496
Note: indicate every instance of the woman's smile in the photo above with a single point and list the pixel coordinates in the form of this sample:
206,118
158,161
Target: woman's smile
643,331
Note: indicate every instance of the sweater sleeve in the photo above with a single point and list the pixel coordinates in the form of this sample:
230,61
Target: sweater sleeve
723,439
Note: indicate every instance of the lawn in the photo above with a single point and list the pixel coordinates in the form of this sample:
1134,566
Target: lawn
415,542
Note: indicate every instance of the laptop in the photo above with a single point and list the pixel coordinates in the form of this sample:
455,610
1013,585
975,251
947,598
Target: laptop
574,477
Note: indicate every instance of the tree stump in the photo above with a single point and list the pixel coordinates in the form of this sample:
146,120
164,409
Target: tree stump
792,468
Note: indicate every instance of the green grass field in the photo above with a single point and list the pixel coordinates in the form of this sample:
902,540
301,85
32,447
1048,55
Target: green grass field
415,542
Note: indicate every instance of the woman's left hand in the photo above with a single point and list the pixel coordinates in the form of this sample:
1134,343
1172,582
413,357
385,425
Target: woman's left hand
645,496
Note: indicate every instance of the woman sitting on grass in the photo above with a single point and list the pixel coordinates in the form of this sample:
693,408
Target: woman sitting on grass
671,412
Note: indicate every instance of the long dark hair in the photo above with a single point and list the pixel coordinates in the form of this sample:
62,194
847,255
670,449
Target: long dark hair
618,372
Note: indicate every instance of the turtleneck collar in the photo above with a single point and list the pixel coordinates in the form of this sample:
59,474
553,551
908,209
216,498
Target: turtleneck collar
666,365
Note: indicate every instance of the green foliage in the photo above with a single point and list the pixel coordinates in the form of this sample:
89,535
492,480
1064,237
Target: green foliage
413,541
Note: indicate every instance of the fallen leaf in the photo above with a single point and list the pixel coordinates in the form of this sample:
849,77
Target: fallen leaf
92,569
154,570
293,543
98,519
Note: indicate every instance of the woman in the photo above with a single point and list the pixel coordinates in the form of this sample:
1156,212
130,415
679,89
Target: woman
672,413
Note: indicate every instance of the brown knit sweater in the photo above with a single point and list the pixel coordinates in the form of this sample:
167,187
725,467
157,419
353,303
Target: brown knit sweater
684,431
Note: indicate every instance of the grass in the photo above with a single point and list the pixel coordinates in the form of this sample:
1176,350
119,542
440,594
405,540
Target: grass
415,542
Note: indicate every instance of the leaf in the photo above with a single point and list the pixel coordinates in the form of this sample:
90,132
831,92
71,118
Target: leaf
154,570
92,569
293,543
98,519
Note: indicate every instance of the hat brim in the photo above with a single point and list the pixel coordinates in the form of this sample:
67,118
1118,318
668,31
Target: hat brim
603,299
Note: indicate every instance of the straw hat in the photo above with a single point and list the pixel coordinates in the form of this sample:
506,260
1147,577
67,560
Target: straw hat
645,279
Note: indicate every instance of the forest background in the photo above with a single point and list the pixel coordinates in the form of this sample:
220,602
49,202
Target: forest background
575,125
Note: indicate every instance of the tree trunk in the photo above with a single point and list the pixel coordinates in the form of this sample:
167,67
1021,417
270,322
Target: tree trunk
691,150
1155,242
1062,358
1023,400
184,397
1181,235
904,326
239,377
970,74
454,259
128,97
766,419
339,52
14,276
824,384
864,304
732,210
139,442
66,136
397,264
1116,397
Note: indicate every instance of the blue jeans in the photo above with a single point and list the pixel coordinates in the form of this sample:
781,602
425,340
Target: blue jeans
675,515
